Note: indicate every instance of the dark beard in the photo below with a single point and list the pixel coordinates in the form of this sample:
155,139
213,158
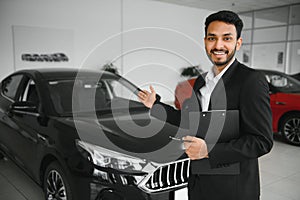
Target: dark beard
219,64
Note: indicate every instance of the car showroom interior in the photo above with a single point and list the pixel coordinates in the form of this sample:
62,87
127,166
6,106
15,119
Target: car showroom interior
73,123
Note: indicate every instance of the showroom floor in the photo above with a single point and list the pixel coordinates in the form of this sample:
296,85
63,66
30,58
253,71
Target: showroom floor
280,177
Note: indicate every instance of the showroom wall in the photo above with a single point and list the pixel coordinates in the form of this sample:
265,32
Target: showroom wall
149,42
169,38
89,21
271,39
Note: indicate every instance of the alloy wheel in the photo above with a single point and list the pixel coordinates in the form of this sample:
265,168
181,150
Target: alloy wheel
56,189
291,130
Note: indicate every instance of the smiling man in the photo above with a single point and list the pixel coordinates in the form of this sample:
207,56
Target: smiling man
229,168
221,43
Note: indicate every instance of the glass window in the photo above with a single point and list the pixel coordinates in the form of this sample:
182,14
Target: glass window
247,20
295,14
294,60
244,54
283,82
121,91
30,93
294,32
10,86
86,94
275,31
271,17
269,34
269,56
246,36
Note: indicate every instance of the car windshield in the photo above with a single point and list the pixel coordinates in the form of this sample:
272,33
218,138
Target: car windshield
86,94
283,83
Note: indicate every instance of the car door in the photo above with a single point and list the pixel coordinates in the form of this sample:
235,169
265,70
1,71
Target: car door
23,126
9,88
28,125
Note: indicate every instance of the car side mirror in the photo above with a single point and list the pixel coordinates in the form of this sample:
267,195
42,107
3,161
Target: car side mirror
24,107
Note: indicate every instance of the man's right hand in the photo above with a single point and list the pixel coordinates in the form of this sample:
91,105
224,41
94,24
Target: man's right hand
147,98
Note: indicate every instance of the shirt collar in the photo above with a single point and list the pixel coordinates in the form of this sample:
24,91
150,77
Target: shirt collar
211,73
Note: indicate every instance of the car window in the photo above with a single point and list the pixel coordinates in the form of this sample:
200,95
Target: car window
10,86
89,94
119,90
283,83
30,93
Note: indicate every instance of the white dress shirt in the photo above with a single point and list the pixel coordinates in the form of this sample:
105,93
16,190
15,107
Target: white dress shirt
211,80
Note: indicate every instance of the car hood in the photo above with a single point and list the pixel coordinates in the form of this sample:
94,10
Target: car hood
132,133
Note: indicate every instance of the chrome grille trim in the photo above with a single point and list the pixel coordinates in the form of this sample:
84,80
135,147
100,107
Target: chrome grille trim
166,176
160,176
181,172
175,173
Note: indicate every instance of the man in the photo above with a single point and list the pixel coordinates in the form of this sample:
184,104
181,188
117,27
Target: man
246,90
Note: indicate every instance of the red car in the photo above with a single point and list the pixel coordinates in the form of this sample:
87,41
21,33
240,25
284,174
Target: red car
284,101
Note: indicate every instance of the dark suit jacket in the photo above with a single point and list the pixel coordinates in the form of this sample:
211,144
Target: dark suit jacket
240,88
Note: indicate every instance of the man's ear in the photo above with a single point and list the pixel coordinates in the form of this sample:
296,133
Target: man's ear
239,43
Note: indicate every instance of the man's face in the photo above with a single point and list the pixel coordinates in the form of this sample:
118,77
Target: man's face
221,43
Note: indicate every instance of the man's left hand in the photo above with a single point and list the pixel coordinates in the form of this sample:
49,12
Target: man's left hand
195,148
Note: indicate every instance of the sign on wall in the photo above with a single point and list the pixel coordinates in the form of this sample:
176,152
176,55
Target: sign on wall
42,47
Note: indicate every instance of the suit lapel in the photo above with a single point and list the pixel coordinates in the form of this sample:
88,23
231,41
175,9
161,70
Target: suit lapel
218,100
199,83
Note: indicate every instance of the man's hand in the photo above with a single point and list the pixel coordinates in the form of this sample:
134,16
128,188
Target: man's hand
195,148
147,98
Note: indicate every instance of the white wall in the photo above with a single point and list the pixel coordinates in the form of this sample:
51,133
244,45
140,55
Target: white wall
163,39
149,41
91,21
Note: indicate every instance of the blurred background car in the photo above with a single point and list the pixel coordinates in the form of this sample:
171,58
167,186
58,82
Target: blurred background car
74,133
296,76
284,101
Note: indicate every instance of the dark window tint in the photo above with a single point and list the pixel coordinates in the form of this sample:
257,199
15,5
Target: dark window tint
283,82
10,86
30,93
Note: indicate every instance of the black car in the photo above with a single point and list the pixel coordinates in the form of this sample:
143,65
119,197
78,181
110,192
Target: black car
82,134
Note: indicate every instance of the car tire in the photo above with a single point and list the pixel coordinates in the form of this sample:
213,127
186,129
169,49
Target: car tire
56,184
290,129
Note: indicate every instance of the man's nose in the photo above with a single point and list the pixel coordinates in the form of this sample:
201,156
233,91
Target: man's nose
219,44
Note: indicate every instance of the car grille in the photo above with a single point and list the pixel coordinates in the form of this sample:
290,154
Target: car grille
167,176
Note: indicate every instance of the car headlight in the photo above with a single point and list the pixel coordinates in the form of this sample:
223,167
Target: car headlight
108,159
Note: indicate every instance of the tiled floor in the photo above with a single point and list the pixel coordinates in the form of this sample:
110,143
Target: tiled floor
280,177
16,185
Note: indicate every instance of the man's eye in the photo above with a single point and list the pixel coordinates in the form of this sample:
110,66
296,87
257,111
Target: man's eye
227,38
210,39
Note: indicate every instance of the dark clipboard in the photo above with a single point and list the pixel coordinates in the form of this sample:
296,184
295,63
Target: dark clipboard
214,126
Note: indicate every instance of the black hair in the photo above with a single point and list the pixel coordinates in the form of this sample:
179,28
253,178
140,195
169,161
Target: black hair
227,17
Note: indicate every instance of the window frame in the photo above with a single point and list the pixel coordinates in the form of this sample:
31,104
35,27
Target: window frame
16,95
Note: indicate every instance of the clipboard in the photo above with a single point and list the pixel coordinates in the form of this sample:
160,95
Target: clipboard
214,126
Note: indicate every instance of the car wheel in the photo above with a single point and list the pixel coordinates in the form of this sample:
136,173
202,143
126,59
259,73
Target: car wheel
56,185
290,129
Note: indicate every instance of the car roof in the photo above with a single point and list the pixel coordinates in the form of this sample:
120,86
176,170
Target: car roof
269,71
62,73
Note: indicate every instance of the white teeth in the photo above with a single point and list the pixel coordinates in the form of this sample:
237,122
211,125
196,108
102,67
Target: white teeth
219,52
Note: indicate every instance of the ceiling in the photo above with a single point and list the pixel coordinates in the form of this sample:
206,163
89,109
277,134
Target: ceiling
234,5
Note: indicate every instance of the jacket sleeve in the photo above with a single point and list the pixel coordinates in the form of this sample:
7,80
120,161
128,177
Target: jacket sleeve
166,113
255,137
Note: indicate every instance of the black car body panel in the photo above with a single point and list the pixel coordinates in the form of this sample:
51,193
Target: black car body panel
49,130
